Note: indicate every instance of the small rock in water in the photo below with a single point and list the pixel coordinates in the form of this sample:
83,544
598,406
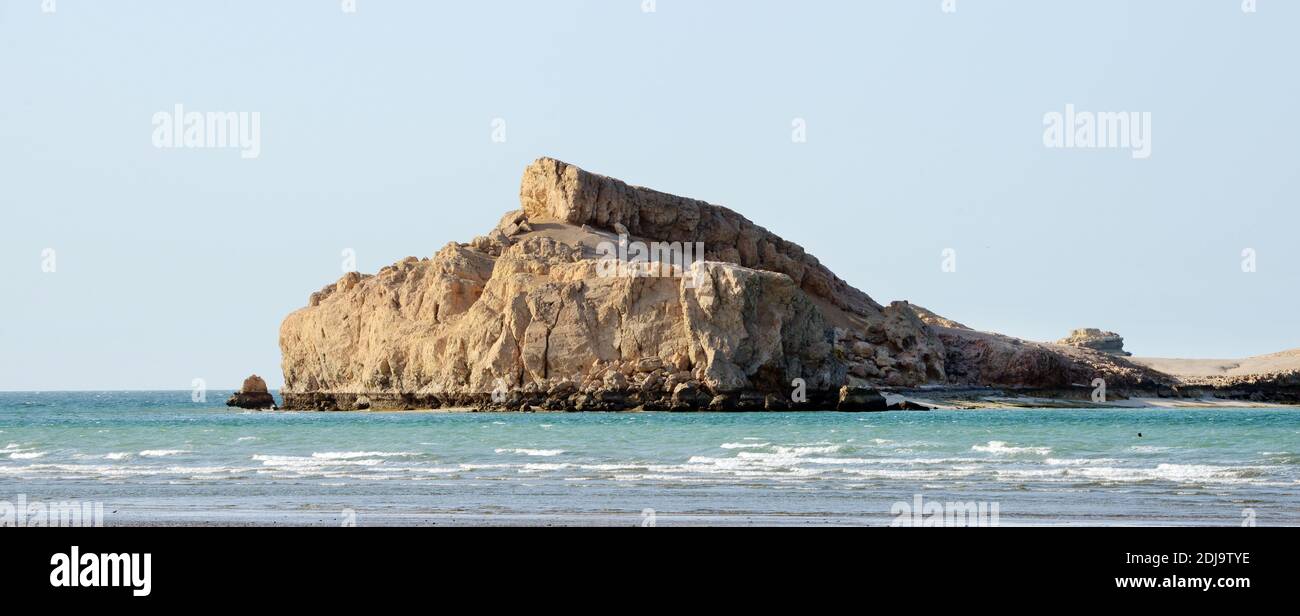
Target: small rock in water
861,399
253,395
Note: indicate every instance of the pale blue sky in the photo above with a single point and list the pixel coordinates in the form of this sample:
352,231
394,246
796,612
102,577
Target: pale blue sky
924,133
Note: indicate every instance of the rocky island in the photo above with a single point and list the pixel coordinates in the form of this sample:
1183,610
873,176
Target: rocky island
599,295
253,395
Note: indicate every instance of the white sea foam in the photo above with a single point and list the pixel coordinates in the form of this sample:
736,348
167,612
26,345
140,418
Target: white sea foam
433,470
312,462
809,449
117,455
1179,473
780,464
159,453
1003,449
545,467
542,453
1281,457
612,467
1205,472
741,466
202,470
353,455
115,472
1078,461
744,445
27,455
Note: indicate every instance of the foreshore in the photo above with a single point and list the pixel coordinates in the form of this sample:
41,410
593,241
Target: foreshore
893,400
994,398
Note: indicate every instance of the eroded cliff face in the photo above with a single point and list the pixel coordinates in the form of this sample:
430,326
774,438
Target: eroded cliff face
993,360
987,359
555,190
529,314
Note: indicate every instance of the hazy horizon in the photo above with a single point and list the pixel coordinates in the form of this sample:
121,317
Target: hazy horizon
401,127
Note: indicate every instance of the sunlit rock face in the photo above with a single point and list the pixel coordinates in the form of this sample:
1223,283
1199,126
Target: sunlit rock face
557,309
1097,340
252,395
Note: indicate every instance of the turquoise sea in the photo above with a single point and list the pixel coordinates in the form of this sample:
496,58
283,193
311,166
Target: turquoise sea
159,458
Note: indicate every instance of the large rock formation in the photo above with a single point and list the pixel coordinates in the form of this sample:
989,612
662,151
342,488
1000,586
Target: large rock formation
559,191
533,316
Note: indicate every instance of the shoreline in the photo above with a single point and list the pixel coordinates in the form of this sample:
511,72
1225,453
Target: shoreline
991,404
891,400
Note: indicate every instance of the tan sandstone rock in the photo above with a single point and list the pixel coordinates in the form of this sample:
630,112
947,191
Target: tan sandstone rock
528,317
527,305
253,394
1092,338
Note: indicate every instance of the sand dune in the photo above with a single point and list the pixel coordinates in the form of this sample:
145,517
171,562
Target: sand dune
1284,361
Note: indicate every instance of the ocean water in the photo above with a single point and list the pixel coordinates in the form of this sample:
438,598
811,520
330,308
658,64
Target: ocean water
159,458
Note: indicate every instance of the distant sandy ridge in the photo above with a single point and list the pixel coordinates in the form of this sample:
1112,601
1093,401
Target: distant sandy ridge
1285,361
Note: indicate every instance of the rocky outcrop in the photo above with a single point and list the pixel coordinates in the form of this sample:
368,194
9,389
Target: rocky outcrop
538,322
555,190
253,395
983,359
930,318
859,399
537,315
993,360
1097,340
529,316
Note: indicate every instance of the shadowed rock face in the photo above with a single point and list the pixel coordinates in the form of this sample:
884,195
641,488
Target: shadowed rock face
988,359
530,317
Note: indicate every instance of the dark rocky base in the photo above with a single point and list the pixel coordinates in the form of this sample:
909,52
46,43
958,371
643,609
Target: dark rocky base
1081,396
1265,396
1278,387
848,400
845,400
1259,395
258,401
